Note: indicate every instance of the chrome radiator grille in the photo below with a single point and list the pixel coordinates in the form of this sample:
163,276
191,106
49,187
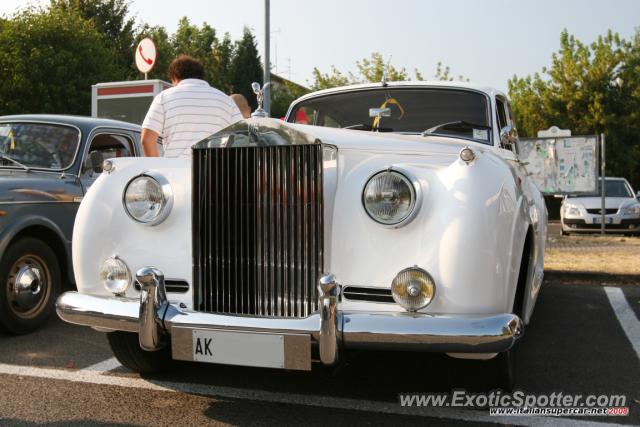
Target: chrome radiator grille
257,229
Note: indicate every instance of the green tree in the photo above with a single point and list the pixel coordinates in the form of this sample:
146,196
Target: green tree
372,70
220,66
49,60
579,92
111,18
443,73
334,78
246,67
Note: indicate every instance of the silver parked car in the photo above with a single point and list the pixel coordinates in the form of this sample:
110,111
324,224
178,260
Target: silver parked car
622,210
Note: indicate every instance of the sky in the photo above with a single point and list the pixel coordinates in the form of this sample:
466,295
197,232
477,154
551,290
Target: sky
487,41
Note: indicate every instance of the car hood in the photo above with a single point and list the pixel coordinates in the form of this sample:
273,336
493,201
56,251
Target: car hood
596,202
437,147
17,186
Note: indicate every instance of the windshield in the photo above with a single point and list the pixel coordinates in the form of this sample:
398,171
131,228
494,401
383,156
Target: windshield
451,112
614,188
38,145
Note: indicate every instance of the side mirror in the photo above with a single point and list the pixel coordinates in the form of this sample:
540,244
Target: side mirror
96,161
507,136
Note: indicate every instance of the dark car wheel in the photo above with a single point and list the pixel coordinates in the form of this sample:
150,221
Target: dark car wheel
126,348
30,279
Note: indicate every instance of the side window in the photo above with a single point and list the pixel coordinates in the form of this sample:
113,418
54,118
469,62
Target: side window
501,113
105,146
304,116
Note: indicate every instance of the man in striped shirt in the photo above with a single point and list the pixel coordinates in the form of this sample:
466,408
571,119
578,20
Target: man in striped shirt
186,113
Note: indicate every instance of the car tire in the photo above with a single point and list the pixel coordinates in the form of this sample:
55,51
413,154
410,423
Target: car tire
30,282
126,348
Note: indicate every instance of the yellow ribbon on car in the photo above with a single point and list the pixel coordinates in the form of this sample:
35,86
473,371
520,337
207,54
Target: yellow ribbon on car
12,140
389,101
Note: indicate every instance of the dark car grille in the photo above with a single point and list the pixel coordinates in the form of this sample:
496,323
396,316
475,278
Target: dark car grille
257,229
597,211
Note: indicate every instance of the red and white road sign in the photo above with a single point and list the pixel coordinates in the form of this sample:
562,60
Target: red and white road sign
145,55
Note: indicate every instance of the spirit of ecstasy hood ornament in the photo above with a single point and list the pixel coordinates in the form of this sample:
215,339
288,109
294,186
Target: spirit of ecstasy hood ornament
260,112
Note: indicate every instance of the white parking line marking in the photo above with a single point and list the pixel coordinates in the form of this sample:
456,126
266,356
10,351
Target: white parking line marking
626,316
92,377
104,366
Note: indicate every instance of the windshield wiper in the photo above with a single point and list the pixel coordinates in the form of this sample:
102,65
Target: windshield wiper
459,124
14,161
360,126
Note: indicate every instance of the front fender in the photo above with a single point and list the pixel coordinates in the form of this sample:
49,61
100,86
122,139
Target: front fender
103,229
463,234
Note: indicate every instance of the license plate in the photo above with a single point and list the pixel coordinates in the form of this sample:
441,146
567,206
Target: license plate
598,220
264,350
238,348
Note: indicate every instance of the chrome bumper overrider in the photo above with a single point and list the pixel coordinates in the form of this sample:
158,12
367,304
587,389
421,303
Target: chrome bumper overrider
154,319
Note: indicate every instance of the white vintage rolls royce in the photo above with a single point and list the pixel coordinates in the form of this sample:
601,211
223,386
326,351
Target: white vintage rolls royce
390,216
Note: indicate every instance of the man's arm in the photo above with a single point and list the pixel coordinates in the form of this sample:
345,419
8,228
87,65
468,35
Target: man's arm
149,142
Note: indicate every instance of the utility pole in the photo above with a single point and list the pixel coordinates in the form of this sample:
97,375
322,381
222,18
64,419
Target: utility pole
267,65
602,184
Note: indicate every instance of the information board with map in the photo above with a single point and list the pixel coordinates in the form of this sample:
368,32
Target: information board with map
562,165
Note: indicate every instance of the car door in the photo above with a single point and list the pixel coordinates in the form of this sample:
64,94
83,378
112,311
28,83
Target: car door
105,144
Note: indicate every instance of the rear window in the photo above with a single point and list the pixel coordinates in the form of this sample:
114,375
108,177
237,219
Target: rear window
38,145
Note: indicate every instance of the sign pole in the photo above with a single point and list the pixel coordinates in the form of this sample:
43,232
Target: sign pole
602,183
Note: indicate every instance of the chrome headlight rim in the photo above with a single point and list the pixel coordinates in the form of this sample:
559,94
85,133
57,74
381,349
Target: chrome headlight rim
416,193
167,194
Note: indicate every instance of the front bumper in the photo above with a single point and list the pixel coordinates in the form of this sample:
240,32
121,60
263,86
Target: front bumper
153,318
614,224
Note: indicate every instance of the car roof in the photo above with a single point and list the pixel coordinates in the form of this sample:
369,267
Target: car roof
427,84
83,122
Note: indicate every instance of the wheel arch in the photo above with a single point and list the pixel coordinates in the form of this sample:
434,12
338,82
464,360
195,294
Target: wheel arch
47,231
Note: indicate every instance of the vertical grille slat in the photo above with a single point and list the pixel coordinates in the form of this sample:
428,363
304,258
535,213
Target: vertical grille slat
257,229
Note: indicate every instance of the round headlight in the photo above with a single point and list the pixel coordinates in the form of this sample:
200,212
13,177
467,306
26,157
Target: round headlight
115,275
148,199
413,288
389,197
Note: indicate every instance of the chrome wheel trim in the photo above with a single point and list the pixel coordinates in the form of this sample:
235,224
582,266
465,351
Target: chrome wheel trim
28,286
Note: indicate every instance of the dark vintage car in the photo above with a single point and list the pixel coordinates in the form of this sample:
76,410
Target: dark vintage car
47,164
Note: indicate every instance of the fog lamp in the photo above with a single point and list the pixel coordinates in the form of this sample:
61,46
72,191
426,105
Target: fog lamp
413,288
115,275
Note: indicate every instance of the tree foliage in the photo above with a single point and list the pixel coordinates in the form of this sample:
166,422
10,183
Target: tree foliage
111,18
246,67
590,89
372,69
49,60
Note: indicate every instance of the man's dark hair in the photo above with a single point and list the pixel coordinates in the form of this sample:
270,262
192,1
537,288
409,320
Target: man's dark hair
186,67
